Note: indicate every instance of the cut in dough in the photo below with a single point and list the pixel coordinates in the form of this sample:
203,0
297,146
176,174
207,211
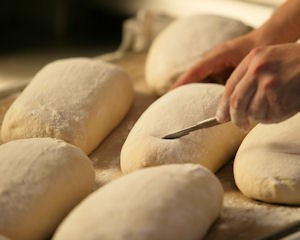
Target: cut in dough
267,165
78,100
176,201
41,180
183,43
180,108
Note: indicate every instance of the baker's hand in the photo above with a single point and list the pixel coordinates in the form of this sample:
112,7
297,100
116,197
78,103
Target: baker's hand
265,86
217,65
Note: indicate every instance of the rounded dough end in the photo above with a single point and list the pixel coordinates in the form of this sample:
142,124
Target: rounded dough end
267,164
78,100
176,201
41,180
183,43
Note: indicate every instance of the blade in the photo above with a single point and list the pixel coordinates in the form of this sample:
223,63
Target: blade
200,125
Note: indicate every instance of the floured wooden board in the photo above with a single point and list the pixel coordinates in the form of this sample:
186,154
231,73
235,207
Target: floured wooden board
106,157
241,218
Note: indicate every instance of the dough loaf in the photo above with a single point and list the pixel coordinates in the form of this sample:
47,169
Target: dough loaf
183,43
267,164
170,202
77,100
180,108
41,180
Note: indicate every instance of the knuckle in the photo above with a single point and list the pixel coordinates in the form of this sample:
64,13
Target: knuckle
268,83
259,58
262,70
258,51
259,67
235,101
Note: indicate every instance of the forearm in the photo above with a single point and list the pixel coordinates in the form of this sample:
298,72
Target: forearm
282,27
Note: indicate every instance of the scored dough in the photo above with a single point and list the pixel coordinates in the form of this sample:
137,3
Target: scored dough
78,100
180,108
184,42
177,201
267,164
41,180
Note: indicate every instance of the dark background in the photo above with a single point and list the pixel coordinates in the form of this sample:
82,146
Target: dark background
27,24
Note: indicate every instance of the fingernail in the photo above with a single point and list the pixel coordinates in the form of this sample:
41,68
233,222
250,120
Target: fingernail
220,116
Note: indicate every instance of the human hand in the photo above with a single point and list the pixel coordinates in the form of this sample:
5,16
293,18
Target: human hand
264,87
217,65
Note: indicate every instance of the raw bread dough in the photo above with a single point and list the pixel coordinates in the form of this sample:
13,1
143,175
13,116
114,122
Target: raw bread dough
176,110
267,165
78,100
183,43
41,180
177,201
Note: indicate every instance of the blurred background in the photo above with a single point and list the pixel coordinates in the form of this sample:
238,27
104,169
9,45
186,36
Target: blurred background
59,23
35,32
34,23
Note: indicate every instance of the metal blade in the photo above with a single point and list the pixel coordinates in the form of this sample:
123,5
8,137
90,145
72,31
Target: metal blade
200,125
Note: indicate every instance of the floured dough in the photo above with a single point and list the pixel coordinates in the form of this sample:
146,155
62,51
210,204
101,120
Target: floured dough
267,165
159,203
184,42
41,180
180,108
78,100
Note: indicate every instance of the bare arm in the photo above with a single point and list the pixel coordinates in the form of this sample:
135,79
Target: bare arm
282,27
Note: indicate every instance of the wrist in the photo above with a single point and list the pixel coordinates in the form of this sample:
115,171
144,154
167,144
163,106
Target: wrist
282,27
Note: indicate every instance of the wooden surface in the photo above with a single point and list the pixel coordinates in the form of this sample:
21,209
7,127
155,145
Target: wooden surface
241,218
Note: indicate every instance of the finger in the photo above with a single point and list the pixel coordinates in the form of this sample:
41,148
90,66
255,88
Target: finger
222,114
223,111
241,99
212,63
258,109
